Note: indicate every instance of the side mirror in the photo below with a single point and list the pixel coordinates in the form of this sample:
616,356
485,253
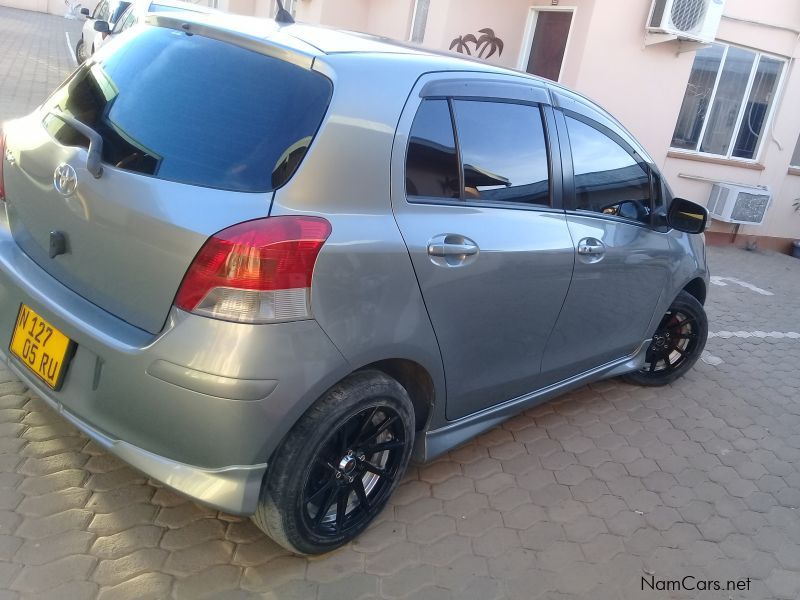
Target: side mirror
102,26
688,216
85,12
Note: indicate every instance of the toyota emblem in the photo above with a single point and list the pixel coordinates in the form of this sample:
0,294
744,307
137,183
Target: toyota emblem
65,179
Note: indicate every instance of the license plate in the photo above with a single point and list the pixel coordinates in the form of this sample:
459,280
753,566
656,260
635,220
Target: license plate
42,348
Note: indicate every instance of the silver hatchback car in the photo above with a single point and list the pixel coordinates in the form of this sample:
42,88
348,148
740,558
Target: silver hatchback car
266,264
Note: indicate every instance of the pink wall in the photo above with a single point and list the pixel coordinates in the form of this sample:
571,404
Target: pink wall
389,18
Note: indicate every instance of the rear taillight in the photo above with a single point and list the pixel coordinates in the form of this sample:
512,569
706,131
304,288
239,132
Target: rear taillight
2,162
255,272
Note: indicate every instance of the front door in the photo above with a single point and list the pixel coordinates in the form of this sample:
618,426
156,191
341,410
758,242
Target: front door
622,263
492,255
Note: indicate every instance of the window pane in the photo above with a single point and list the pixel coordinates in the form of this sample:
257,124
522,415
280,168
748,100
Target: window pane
796,156
697,97
727,101
757,108
256,120
608,179
117,10
431,163
503,151
98,10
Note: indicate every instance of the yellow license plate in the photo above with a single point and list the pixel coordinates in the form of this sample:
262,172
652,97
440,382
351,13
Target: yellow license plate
41,347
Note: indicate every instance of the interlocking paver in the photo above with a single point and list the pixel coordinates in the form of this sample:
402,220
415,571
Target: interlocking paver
574,498
199,557
43,551
150,586
125,542
37,579
112,572
408,581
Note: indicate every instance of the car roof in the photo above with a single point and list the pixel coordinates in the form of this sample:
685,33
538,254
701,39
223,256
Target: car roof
315,40
303,43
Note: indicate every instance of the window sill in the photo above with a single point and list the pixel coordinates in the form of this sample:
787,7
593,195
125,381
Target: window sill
794,170
728,162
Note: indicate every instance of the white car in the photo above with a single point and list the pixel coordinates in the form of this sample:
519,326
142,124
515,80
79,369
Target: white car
112,17
98,25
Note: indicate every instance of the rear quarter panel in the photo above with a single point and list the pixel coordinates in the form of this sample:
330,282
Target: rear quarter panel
365,295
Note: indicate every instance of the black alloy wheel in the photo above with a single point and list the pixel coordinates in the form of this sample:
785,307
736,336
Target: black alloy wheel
353,472
676,345
338,465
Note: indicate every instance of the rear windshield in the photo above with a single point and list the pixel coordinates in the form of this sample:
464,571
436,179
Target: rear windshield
194,110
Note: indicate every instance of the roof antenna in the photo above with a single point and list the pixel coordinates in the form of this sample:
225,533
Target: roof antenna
283,15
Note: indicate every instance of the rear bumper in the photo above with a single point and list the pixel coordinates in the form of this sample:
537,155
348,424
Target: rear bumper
233,489
200,407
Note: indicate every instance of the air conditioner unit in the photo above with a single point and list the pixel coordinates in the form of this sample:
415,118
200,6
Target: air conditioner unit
738,203
696,20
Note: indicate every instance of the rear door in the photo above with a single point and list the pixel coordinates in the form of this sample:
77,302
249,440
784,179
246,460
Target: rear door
476,194
196,133
622,261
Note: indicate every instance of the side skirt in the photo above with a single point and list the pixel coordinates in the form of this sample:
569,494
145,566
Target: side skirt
436,442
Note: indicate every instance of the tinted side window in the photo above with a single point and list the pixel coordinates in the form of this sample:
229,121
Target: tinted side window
660,192
101,11
125,21
431,162
608,179
117,10
195,110
503,152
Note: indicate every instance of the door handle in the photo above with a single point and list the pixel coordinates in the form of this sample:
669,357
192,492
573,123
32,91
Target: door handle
591,247
449,249
452,250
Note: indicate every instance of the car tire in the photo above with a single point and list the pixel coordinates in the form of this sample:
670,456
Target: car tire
80,51
677,343
337,467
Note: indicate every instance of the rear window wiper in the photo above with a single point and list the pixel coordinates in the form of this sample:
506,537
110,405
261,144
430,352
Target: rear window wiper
95,141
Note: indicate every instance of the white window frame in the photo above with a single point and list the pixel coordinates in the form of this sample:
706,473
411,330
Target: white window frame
530,29
767,122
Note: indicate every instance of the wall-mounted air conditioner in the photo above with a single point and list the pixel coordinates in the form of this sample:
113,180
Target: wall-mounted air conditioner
696,20
738,203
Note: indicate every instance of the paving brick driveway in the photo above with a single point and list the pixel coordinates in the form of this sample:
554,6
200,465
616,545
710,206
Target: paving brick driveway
579,498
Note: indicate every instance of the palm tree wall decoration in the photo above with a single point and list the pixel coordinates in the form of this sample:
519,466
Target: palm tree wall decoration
485,46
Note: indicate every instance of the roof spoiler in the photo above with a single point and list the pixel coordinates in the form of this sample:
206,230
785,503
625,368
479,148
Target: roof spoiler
199,24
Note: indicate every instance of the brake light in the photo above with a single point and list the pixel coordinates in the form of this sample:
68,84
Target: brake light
2,162
255,272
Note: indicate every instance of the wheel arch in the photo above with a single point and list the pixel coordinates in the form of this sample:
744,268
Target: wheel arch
697,288
416,380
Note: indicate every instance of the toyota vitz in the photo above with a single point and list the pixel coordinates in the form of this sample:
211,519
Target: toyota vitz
266,263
